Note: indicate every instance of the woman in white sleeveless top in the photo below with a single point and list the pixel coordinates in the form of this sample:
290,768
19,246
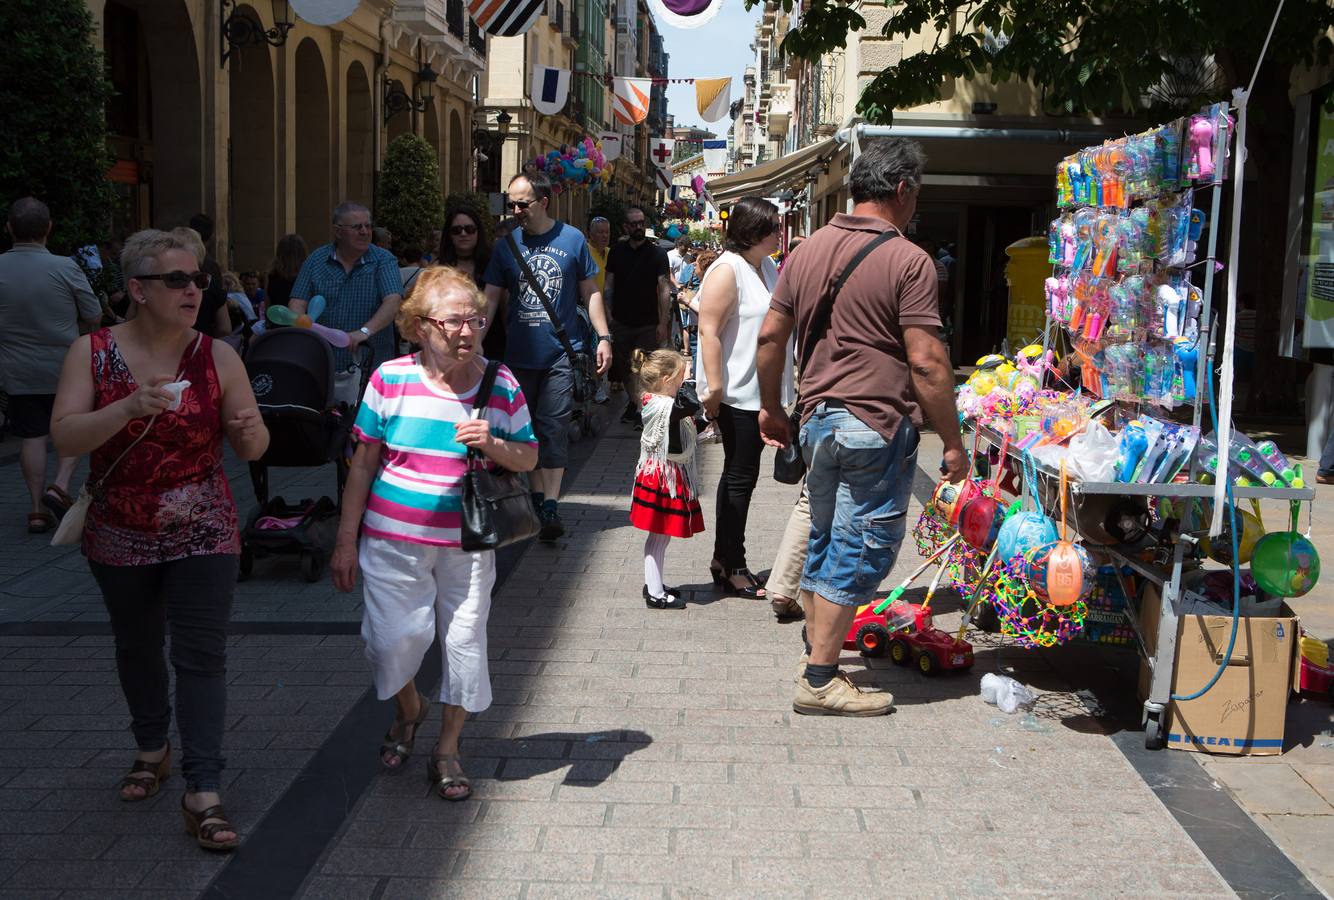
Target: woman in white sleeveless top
733,301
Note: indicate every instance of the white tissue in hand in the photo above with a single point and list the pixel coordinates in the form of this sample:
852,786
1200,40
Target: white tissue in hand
176,389
1004,692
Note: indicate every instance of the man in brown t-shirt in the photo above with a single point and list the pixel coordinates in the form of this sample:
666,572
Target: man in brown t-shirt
877,366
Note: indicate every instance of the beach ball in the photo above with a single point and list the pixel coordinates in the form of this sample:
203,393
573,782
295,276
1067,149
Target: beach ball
1285,564
1022,532
950,497
1060,572
1219,549
980,521
302,321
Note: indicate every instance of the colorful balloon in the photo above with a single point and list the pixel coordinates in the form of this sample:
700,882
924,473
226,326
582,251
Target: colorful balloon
315,308
1022,532
949,498
980,521
1060,573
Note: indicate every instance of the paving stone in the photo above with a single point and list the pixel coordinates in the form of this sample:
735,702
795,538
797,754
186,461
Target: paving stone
330,887
464,889
566,868
388,861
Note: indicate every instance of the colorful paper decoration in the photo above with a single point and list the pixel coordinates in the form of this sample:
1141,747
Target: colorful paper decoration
506,18
687,13
713,98
630,99
550,89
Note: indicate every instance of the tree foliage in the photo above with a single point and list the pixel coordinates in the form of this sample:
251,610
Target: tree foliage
53,96
410,202
1086,56
611,208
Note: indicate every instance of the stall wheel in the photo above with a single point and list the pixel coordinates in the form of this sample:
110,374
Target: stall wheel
1154,739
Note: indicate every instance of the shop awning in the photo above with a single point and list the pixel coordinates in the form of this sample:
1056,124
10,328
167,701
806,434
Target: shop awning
769,178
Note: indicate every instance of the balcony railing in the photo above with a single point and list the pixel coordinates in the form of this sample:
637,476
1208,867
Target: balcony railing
455,17
476,39
558,17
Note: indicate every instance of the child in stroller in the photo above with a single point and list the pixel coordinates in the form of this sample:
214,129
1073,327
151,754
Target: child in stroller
292,373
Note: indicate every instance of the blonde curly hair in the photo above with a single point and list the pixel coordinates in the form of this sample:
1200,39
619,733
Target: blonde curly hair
432,286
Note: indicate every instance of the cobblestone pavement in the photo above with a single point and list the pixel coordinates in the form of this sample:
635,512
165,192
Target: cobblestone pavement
629,752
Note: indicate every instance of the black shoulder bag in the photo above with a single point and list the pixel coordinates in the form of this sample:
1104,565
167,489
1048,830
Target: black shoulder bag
584,380
497,507
789,465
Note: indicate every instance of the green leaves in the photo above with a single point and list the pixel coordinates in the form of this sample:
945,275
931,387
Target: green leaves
53,96
410,203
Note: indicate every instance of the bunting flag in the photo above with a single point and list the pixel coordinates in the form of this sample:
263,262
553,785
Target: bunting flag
551,88
611,145
713,97
702,190
506,18
630,99
661,151
663,177
686,13
715,156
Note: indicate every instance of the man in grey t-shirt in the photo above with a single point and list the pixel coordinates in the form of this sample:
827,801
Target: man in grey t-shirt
44,299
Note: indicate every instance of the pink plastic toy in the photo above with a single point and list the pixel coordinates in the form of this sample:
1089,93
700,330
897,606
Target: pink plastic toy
1201,147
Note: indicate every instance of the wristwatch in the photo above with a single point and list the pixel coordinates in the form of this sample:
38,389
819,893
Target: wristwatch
364,330
604,337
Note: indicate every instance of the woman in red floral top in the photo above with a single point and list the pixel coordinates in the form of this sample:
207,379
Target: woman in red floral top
161,534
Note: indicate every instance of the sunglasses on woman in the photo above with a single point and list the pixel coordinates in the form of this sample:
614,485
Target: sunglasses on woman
177,280
462,229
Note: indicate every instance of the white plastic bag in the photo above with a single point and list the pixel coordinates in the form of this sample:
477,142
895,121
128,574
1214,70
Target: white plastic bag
1004,692
1093,454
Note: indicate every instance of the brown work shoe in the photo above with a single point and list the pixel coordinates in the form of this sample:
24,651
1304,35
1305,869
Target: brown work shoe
840,697
801,668
786,609
1324,479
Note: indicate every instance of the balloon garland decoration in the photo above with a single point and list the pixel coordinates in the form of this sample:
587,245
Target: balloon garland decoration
574,166
687,210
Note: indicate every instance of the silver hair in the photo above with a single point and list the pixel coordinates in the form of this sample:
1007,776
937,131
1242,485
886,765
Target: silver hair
140,254
347,206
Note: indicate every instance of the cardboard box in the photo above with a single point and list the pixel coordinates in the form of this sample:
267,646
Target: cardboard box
1150,609
1243,713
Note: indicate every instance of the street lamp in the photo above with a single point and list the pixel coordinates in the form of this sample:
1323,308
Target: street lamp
396,100
238,29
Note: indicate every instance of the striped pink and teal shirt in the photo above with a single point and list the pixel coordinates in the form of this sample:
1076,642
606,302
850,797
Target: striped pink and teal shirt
418,491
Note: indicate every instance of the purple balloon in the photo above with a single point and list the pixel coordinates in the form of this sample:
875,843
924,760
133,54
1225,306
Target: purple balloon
686,7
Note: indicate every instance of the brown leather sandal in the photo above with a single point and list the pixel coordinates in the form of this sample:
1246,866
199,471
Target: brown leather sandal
400,748
146,775
202,830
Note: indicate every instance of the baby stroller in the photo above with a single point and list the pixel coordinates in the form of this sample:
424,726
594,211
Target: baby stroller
582,423
292,374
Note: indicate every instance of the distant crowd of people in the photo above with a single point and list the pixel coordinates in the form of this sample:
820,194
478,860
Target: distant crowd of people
479,349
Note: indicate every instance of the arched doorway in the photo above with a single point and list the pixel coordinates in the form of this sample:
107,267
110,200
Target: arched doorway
313,204
251,155
360,133
457,177
431,132
155,116
400,122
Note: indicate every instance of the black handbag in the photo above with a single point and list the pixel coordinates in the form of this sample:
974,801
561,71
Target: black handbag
497,505
789,464
580,364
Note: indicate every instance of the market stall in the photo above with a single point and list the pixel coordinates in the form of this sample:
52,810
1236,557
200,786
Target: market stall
1101,449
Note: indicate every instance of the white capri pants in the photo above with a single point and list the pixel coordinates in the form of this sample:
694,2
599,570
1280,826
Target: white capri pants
411,592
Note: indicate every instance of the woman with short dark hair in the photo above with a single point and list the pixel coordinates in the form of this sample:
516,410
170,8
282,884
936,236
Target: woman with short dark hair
733,301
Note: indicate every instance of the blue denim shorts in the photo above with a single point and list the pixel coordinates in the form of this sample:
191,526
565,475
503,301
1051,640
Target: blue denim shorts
859,485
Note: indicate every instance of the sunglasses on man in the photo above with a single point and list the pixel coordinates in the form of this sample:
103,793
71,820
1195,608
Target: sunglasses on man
462,229
519,204
178,280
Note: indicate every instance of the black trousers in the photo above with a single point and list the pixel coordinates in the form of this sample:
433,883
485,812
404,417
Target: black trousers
194,596
742,446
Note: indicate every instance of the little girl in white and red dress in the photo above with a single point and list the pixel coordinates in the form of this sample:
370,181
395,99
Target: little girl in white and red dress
664,502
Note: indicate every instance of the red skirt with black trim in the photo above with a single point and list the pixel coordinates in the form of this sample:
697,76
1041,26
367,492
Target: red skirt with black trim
653,509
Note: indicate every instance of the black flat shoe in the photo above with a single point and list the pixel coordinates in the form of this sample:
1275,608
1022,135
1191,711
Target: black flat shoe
671,601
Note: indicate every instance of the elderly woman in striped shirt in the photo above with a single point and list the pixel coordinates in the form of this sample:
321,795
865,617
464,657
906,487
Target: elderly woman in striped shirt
402,509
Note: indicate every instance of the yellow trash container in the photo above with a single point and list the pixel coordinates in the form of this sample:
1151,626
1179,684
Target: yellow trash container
1025,273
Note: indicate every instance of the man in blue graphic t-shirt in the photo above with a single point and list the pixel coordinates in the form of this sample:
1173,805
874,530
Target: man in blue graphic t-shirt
559,258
